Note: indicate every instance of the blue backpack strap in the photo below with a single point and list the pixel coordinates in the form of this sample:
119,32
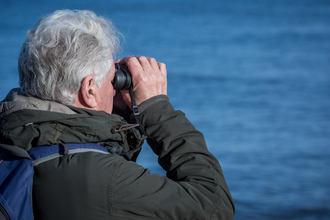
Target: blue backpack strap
45,153
15,183
16,166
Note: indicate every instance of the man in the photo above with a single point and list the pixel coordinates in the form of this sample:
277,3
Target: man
66,95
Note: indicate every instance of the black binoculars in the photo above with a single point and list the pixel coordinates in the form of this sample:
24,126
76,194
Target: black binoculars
123,77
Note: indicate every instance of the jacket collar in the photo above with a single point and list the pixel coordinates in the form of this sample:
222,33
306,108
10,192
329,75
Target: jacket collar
27,122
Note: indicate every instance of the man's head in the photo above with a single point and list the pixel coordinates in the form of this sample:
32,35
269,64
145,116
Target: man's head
62,50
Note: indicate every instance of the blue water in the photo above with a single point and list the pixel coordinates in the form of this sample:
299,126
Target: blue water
253,76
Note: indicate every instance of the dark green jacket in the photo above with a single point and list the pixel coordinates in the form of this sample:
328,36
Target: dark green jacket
92,185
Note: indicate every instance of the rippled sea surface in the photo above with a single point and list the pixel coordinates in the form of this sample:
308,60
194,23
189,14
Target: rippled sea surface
253,76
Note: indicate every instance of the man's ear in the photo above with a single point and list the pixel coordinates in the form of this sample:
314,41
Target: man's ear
87,92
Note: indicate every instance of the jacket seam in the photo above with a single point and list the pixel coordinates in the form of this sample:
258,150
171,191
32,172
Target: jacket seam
219,201
113,174
217,204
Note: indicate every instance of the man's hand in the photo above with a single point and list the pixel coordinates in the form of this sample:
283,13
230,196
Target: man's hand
148,76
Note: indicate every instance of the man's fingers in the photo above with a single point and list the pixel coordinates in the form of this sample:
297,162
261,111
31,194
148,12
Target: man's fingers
153,63
125,59
162,68
145,62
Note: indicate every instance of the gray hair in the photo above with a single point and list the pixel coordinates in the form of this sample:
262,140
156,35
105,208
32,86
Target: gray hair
61,50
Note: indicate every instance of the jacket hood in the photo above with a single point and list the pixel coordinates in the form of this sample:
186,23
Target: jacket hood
16,101
28,122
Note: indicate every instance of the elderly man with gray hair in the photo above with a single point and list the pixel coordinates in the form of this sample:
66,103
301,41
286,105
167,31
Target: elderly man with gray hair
66,96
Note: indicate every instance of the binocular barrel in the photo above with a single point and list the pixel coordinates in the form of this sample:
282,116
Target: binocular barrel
123,78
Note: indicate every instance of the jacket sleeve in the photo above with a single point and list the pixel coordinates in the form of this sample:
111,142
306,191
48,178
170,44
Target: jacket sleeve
194,186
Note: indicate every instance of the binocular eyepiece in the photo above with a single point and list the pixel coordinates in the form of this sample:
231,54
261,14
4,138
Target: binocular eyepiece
123,77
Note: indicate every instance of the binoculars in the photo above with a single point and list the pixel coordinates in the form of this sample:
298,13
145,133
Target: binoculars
123,77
